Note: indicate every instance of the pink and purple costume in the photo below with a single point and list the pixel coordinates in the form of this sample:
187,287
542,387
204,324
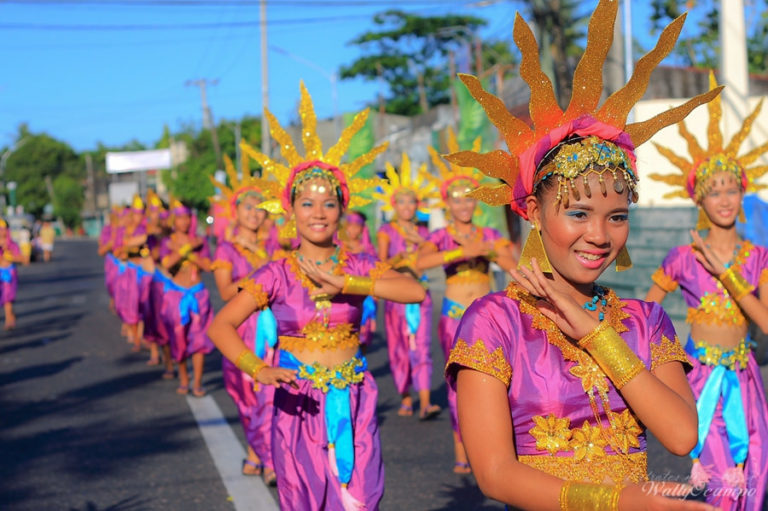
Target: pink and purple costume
409,326
463,271
558,427
254,407
187,311
9,279
325,443
730,398
132,284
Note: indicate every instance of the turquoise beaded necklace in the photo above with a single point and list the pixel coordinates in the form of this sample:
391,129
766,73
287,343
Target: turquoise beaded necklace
599,296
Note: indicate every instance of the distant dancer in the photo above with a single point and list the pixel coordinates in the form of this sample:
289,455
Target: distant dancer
10,255
47,237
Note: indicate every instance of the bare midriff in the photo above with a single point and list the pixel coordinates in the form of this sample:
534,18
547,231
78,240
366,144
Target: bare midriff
327,358
467,293
188,275
726,336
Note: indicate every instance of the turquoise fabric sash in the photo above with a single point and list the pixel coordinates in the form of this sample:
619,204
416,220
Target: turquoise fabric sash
452,309
369,310
721,382
266,332
188,303
413,317
338,416
6,275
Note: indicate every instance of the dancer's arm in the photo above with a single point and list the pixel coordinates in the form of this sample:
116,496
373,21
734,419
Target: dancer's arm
430,257
223,277
655,294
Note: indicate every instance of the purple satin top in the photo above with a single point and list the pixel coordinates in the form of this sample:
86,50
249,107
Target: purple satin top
227,252
397,243
443,240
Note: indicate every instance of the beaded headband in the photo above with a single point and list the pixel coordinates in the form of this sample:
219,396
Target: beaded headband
694,181
402,181
551,125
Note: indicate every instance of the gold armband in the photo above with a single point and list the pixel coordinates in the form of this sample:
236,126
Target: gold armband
8,256
249,363
356,285
735,283
585,496
452,255
144,252
185,249
612,354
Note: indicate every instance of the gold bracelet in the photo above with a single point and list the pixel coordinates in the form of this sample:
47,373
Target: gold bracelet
185,249
591,497
357,285
612,354
735,283
249,363
452,255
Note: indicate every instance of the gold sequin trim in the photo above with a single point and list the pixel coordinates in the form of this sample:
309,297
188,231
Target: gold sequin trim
609,469
668,350
255,290
468,277
340,376
305,281
479,358
256,259
221,264
379,269
319,337
716,309
713,355
663,280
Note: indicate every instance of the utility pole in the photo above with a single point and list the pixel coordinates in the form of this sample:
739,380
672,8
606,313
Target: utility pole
91,181
208,116
264,78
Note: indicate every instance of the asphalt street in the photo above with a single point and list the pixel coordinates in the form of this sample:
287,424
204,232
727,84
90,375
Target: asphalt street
86,425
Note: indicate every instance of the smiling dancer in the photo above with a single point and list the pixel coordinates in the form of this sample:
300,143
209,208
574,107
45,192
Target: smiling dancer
132,278
465,252
326,446
557,377
409,326
724,281
242,205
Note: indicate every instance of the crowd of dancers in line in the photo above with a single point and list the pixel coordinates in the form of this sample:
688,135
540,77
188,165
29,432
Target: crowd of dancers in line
552,382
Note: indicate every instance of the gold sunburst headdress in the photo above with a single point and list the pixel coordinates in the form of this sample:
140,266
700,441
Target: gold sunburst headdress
421,185
454,178
693,181
266,191
153,201
137,204
599,138
316,164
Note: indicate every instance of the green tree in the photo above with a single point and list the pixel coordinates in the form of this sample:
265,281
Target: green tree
410,54
68,199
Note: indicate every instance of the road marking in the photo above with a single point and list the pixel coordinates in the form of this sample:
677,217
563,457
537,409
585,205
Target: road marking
248,493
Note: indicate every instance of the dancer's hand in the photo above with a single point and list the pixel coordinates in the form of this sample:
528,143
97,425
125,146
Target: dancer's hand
659,495
481,249
569,316
706,256
328,283
276,375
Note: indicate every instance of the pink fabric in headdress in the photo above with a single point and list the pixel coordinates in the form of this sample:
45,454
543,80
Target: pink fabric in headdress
319,164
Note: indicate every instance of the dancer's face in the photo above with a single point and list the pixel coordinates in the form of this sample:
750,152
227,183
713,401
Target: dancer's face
583,239
354,228
181,223
317,212
461,207
249,216
723,201
405,204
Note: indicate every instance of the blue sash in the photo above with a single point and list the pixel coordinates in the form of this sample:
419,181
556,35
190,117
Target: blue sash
724,382
6,275
188,303
413,312
452,309
369,310
338,416
266,332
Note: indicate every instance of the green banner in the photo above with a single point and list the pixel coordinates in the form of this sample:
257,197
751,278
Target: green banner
363,141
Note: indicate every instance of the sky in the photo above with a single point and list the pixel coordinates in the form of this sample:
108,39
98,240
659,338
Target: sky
110,71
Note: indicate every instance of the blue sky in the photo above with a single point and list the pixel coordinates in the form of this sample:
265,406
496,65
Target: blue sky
112,85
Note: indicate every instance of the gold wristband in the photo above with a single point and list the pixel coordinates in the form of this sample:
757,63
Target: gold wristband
185,249
735,283
591,497
8,256
357,285
612,354
452,255
249,363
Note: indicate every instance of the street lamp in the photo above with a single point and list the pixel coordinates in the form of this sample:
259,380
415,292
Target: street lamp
332,77
3,159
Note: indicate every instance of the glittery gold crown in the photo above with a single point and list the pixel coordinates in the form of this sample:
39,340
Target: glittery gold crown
454,174
153,200
551,125
693,180
267,190
314,158
137,204
421,185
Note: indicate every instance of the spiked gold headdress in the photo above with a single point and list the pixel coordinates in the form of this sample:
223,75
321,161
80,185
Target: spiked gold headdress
582,119
314,163
268,191
693,180
452,175
153,200
137,204
421,185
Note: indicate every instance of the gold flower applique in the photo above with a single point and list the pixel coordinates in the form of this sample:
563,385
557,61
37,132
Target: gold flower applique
588,442
625,430
552,434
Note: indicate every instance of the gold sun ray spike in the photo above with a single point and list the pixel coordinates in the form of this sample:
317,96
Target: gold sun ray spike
314,164
402,179
694,177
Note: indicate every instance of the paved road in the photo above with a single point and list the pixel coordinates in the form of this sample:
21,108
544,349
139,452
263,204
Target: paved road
85,425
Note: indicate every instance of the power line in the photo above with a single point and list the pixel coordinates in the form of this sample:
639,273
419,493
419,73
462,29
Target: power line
237,3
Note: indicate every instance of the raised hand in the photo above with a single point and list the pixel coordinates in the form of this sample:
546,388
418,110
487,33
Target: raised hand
328,283
481,249
706,256
560,307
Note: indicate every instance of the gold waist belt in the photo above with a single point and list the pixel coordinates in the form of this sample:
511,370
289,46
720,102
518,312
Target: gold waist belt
607,469
322,338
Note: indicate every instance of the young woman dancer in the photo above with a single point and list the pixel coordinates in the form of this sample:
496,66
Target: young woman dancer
465,252
325,438
557,377
153,330
187,309
10,256
105,250
409,326
249,248
724,281
132,278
